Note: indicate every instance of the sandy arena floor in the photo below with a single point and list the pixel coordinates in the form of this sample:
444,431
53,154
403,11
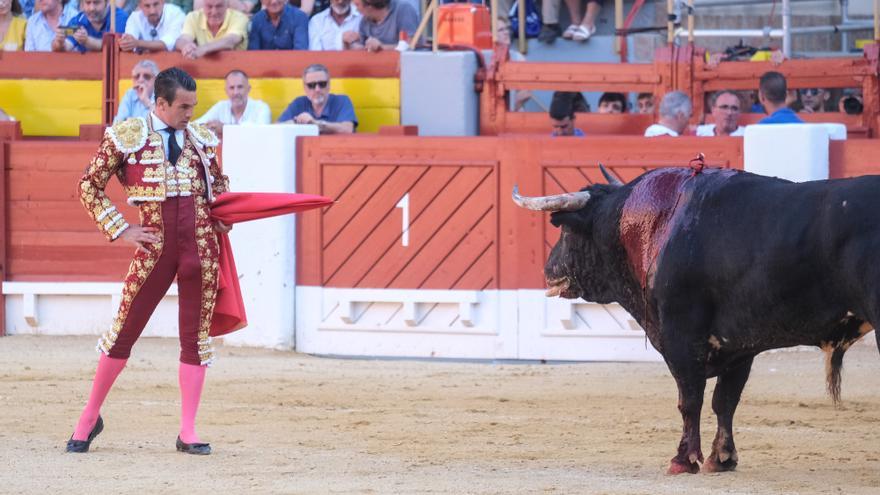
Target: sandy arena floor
282,422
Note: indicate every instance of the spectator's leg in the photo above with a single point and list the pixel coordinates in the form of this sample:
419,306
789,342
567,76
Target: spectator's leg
550,13
574,12
588,24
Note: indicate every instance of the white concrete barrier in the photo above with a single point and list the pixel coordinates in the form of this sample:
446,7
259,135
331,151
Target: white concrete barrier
797,152
262,158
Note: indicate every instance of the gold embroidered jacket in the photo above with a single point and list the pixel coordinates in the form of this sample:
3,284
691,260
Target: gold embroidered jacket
135,153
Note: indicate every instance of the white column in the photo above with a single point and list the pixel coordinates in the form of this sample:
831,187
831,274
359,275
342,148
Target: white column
262,158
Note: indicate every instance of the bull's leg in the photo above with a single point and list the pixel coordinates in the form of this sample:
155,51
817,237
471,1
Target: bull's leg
724,401
691,382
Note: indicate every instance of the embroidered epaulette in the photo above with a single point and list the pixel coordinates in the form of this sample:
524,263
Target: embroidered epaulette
203,135
129,135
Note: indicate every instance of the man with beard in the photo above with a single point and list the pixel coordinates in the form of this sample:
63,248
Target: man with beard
154,27
279,26
334,28
726,109
91,24
333,114
238,109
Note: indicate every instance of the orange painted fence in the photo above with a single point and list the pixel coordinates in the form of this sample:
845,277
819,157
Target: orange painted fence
674,68
435,213
463,231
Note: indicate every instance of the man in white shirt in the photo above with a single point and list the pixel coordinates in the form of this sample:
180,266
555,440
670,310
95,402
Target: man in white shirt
154,27
675,112
726,109
238,109
333,28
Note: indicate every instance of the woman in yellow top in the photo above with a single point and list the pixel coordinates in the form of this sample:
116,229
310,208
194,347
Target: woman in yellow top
12,26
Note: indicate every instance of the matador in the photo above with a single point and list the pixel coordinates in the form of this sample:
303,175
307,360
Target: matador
169,171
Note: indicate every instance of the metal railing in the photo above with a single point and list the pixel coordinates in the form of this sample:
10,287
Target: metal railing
785,33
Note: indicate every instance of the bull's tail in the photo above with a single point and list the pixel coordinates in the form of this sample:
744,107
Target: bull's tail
833,366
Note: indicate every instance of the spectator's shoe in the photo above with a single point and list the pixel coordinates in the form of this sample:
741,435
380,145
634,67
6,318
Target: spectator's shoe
193,448
82,446
583,33
549,33
569,31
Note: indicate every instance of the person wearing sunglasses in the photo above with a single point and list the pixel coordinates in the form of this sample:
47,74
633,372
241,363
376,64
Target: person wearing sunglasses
333,114
726,109
814,99
154,27
138,101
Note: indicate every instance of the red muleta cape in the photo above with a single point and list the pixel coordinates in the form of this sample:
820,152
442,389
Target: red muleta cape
235,207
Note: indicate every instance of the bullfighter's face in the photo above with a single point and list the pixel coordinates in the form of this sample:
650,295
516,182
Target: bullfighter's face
177,113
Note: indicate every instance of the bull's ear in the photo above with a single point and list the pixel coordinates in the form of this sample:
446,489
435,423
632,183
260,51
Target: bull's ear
575,220
560,218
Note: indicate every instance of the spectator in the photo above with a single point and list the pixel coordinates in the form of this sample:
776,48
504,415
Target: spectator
214,28
71,8
333,114
772,93
246,7
41,27
562,114
382,22
645,103
336,27
582,27
814,100
138,100
12,26
279,27
612,103
726,109
239,108
154,27
675,111
91,24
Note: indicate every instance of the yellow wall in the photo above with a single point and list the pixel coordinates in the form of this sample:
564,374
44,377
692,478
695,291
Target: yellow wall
57,108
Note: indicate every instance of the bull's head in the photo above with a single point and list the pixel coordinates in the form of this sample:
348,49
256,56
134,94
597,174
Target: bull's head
576,266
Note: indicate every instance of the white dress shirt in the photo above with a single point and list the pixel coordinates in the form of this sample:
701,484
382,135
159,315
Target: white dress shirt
708,130
168,30
158,125
325,34
256,112
659,130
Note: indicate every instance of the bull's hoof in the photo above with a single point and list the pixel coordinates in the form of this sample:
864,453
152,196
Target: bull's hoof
679,467
713,465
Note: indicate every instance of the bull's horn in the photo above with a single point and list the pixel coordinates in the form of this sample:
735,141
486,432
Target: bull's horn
614,181
560,202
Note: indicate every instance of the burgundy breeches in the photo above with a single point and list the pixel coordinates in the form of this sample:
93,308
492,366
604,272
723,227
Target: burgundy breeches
188,251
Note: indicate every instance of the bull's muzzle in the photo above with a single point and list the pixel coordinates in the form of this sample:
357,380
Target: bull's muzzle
560,202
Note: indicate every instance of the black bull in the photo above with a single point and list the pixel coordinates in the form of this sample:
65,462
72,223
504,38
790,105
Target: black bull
718,266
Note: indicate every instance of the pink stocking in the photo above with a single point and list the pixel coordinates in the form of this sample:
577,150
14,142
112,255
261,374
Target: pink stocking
192,378
108,369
